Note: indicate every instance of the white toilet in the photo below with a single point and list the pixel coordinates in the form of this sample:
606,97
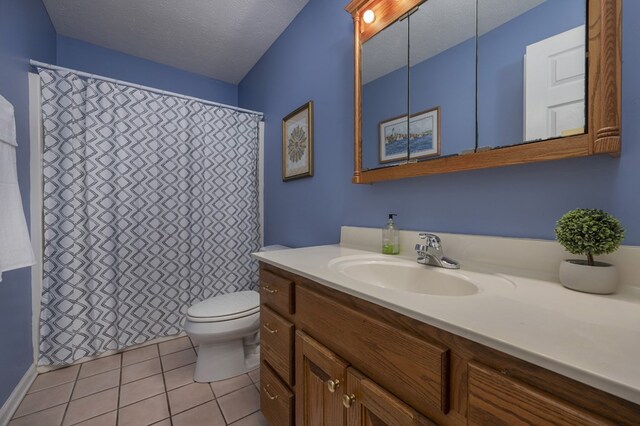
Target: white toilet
227,327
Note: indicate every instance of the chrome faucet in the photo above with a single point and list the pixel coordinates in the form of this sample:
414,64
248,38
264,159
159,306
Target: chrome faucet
430,252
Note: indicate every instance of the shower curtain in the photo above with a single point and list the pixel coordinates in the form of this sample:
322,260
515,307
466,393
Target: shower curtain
150,204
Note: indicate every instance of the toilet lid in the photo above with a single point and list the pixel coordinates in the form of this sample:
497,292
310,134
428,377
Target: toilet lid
237,305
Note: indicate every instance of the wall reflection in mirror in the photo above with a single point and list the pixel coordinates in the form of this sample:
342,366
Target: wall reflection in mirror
531,70
385,96
442,76
523,62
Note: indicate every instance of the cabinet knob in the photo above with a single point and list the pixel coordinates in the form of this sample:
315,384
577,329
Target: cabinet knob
332,385
268,290
266,391
348,400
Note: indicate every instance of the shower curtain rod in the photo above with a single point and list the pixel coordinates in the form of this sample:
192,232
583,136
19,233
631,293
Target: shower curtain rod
138,86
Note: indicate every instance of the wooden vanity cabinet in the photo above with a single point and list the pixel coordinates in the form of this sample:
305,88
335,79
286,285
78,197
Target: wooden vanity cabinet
390,369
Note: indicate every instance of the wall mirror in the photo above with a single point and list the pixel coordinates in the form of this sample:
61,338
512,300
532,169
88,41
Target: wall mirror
385,96
451,85
418,86
531,70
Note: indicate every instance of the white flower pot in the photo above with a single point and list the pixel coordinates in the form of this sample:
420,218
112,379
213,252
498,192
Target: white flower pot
577,275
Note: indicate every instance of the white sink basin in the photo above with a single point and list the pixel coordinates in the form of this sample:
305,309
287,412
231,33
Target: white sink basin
409,276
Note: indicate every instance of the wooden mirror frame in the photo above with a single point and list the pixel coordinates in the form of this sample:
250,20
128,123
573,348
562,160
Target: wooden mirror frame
603,100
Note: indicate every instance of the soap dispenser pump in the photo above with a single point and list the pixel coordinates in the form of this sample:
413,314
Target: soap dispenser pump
390,237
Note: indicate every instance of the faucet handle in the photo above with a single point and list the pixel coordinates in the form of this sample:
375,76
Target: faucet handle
432,239
421,247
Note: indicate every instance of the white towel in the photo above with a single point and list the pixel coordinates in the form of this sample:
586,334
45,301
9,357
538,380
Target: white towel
15,245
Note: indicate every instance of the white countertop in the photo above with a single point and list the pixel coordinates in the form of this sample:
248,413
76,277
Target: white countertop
590,338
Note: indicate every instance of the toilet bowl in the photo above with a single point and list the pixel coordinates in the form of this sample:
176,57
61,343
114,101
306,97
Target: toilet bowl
227,329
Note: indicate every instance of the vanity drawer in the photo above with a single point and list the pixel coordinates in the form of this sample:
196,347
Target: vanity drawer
414,370
496,399
277,292
276,343
276,400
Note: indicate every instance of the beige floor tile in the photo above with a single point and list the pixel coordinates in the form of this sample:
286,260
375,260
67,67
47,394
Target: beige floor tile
194,342
49,417
165,422
108,419
91,406
203,415
254,375
145,412
97,383
255,419
178,359
224,387
55,378
138,355
44,399
100,365
179,376
141,370
141,389
240,403
189,396
175,345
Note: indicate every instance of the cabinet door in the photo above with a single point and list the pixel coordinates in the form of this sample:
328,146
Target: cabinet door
370,405
496,399
320,378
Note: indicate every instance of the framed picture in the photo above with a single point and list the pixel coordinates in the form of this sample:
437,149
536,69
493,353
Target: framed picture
297,143
422,137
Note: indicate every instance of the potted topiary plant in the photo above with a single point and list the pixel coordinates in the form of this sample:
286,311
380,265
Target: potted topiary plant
589,232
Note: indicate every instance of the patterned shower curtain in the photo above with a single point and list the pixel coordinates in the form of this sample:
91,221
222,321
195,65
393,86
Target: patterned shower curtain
150,205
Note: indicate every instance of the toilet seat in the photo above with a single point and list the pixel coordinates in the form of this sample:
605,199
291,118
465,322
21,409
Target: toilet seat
226,307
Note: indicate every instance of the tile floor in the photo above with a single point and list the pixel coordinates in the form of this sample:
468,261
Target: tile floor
152,385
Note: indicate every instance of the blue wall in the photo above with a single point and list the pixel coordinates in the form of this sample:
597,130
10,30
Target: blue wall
98,60
313,59
25,32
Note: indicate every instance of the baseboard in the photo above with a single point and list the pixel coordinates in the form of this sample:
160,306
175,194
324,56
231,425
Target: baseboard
11,405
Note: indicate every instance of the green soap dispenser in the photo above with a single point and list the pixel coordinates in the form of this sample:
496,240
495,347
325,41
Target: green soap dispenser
390,237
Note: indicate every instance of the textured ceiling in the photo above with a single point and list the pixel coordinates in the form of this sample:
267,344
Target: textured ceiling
221,39
435,27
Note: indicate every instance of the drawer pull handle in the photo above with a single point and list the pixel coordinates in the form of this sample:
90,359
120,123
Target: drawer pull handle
270,330
268,290
348,400
332,385
266,391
